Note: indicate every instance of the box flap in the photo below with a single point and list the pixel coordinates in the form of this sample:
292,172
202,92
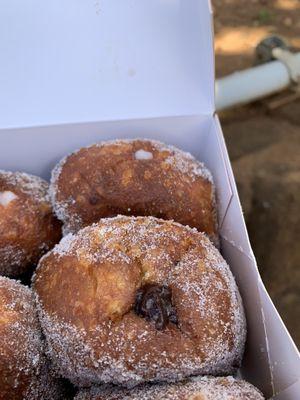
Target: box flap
291,393
269,344
284,357
91,60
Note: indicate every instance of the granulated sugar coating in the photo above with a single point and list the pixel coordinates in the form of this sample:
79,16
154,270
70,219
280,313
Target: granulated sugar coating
133,177
24,373
28,227
200,388
29,184
86,291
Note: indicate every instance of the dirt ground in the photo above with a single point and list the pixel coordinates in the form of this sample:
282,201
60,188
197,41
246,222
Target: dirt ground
264,147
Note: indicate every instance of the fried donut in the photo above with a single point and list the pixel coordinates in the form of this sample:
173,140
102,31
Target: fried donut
133,177
200,388
28,227
133,299
24,373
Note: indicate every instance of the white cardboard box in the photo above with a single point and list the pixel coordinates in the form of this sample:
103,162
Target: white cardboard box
74,72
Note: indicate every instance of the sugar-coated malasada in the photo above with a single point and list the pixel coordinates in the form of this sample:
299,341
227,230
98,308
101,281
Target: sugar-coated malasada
200,388
134,299
28,228
133,177
24,370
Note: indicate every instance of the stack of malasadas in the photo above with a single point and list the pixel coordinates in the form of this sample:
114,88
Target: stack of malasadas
136,293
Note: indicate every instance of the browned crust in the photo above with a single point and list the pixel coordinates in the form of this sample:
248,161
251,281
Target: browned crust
23,370
86,289
28,227
200,388
107,179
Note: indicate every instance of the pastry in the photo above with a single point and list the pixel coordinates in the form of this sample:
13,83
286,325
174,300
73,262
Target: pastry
28,228
134,299
133,177
24,372
200,388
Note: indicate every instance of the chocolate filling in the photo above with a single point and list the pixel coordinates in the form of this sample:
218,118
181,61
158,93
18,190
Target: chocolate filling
94,199
154,303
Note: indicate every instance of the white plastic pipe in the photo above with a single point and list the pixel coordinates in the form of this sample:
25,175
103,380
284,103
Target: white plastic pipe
252,84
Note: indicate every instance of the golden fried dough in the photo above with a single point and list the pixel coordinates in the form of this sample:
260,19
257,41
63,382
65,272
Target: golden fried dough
200,388
28,227
24,373
133,299
133,177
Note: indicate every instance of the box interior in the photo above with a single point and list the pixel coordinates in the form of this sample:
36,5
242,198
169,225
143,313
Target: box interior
36,150
73,61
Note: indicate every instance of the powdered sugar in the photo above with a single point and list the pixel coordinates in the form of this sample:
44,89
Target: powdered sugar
106,353
60,208
6,197
65,245
28,184
143,155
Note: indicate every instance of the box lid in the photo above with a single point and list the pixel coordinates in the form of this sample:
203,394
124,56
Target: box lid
90,60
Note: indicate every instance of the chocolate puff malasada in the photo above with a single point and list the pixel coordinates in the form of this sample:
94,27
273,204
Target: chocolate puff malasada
28,228
24,372
134,299
200,388
133,177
